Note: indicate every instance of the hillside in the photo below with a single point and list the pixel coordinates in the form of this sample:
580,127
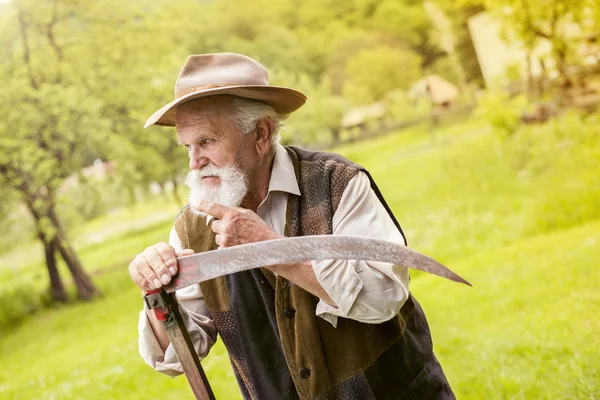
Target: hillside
519,218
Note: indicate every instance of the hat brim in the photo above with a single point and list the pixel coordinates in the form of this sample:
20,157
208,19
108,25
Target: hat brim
283,100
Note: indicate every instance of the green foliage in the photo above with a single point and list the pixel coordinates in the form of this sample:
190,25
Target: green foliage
80,89
403,19
443,67
502,111
570,142
90,198
561,23
400,107
19,301
317,123
365,70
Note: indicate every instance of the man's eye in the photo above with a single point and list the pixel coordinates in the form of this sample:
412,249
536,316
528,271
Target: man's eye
201,142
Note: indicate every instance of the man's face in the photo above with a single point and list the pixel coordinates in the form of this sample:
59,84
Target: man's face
221,156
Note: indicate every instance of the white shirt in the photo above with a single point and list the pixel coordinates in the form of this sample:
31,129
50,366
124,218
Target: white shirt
365,291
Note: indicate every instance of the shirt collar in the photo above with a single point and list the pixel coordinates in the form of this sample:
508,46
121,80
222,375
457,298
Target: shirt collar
283,176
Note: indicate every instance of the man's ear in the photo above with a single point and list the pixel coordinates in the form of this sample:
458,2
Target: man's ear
263,134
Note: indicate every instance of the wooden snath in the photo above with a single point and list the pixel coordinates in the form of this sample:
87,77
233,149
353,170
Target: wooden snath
166,309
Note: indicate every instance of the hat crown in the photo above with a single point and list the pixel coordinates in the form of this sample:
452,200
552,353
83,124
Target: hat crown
226,74
221,69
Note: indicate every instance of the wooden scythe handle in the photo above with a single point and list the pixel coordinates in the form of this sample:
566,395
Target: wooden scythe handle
166,309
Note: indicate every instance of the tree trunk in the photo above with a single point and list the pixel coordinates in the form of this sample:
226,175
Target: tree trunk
131,194
163,191
85,287
57,289
566,84
83,282
531,92
542,80
335,135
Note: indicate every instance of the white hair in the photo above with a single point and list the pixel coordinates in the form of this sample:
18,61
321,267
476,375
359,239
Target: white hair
246,113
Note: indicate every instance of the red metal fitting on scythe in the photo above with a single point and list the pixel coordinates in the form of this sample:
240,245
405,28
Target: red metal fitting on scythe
155,301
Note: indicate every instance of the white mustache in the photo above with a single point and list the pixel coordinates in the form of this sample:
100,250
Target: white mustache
196,175
230,192
211,170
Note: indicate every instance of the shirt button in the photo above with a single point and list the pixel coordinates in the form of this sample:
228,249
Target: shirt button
289,312
304,373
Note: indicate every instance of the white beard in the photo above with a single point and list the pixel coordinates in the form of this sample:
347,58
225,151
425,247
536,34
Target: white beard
230,193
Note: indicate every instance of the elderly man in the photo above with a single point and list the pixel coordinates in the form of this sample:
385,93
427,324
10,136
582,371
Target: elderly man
335,329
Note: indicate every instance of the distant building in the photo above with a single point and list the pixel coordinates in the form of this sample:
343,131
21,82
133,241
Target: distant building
359,116
438,90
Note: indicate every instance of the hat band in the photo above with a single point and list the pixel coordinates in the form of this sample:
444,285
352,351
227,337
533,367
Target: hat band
202,87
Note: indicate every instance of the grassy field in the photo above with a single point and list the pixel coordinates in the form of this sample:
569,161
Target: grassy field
519,218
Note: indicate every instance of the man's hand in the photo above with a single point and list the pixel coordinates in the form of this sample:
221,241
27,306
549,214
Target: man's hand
236,225
155,266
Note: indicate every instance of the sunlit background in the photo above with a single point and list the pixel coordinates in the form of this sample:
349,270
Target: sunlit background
477,118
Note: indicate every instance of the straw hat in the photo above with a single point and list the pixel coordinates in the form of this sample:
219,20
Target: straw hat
226,73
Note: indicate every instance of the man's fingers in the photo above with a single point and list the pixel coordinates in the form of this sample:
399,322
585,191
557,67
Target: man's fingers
185,252
140,281
168,256
147,272
215,209
217,226
157,264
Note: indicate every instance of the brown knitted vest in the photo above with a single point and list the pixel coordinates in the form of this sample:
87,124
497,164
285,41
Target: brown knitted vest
277,346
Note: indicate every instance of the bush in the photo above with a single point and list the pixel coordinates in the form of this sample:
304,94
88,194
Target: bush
401,108
17,302
502,111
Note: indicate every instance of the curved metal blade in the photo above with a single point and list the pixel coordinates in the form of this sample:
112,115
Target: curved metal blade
201,267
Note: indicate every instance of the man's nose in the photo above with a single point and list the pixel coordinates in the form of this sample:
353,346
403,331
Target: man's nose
197,160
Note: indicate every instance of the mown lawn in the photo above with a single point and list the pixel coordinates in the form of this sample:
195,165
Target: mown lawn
519,218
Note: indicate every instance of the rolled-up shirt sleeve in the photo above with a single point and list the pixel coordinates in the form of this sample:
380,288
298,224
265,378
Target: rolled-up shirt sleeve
197,321
365,291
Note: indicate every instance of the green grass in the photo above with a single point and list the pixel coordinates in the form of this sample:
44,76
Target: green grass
528,329
519,218
89,351
26,294
478,192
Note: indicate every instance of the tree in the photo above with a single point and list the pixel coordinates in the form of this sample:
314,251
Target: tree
559,22
407,22
46,121
373,72
317,123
